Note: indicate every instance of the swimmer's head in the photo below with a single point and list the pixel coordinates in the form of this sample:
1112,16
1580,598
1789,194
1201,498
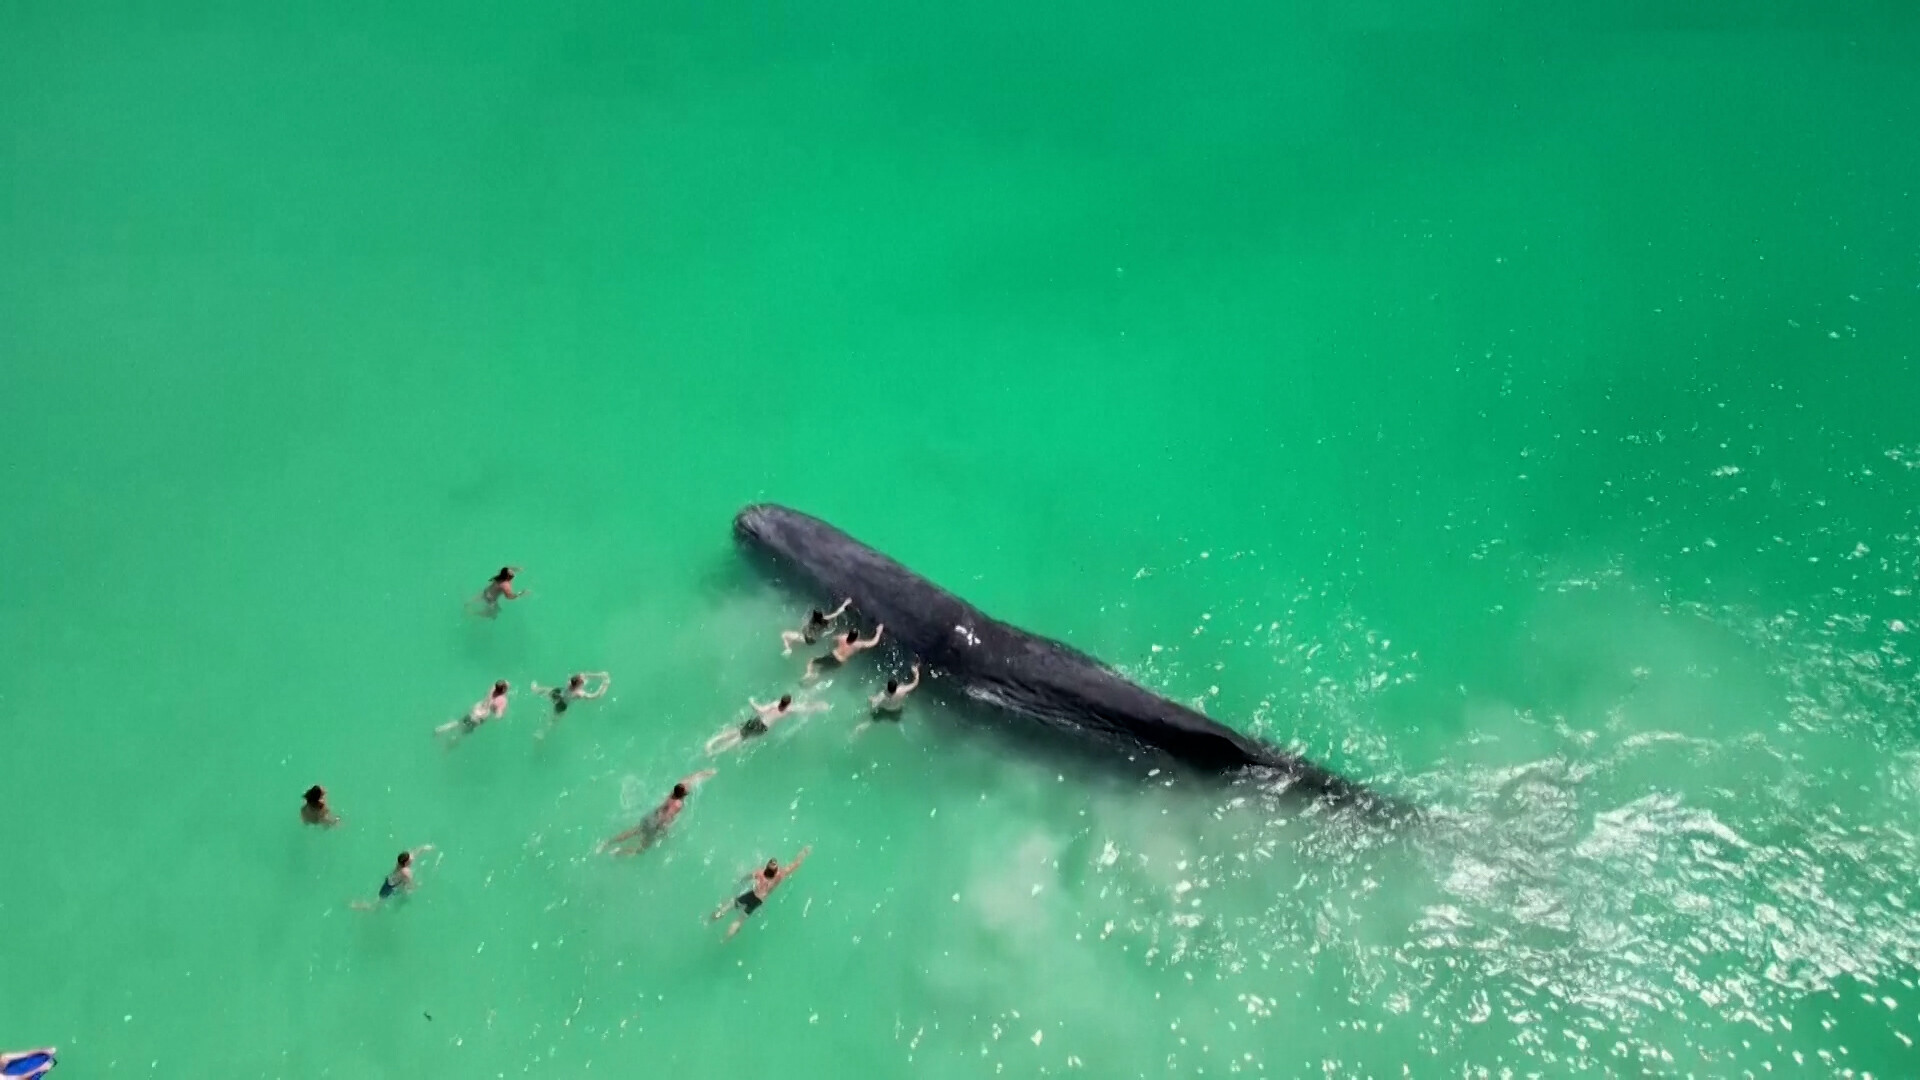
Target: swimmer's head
406,858
773,867
316,795
500,688
816,617
893,686
679,791
853,636
505,574
576,682
786,700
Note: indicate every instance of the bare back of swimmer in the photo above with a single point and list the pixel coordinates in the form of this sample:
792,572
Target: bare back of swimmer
888,703
762,721
653,828
845,648
815,628
499,588
762,885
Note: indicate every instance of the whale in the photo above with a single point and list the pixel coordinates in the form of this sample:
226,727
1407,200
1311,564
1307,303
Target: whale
1035,680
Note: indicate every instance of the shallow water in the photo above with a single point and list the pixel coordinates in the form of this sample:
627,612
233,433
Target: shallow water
1512,412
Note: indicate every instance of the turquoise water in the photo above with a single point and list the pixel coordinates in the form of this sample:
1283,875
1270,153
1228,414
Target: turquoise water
1512,409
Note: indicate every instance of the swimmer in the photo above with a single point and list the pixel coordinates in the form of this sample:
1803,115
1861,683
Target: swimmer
316,811
653,828
29,1064
491,707
575,690
498,589
761,722
844,649
764,882
813,629
399,882
887,704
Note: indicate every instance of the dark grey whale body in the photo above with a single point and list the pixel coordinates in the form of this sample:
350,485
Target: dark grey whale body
1006,667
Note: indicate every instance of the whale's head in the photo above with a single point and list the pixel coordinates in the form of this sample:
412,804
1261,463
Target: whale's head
785,535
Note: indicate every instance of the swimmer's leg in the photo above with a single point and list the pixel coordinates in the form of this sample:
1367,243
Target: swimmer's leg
787,638
735,928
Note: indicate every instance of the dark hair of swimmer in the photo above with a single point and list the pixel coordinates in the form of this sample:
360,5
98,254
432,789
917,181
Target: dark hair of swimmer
406,858
505,574
893,685
500,687
316,795
577,680
786,700
679,791
817,617
773,867
853,636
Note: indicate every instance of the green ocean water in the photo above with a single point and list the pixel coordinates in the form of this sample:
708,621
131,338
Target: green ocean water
1511,407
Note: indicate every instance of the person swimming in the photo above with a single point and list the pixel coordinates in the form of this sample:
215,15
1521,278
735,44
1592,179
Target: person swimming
764,882
498,589
761,722
653,828
887,704
844,649
575,690
315,810
813,629
491,707
399,881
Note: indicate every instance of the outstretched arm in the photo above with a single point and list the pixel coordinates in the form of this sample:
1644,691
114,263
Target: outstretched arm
910,687
795,864
761,709
841,610
875,639
690,781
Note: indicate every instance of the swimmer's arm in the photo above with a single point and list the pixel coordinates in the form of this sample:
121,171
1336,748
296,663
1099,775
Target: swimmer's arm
790,638
703,774
795,864
875,700
762,709
875,639
910,687
841,610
